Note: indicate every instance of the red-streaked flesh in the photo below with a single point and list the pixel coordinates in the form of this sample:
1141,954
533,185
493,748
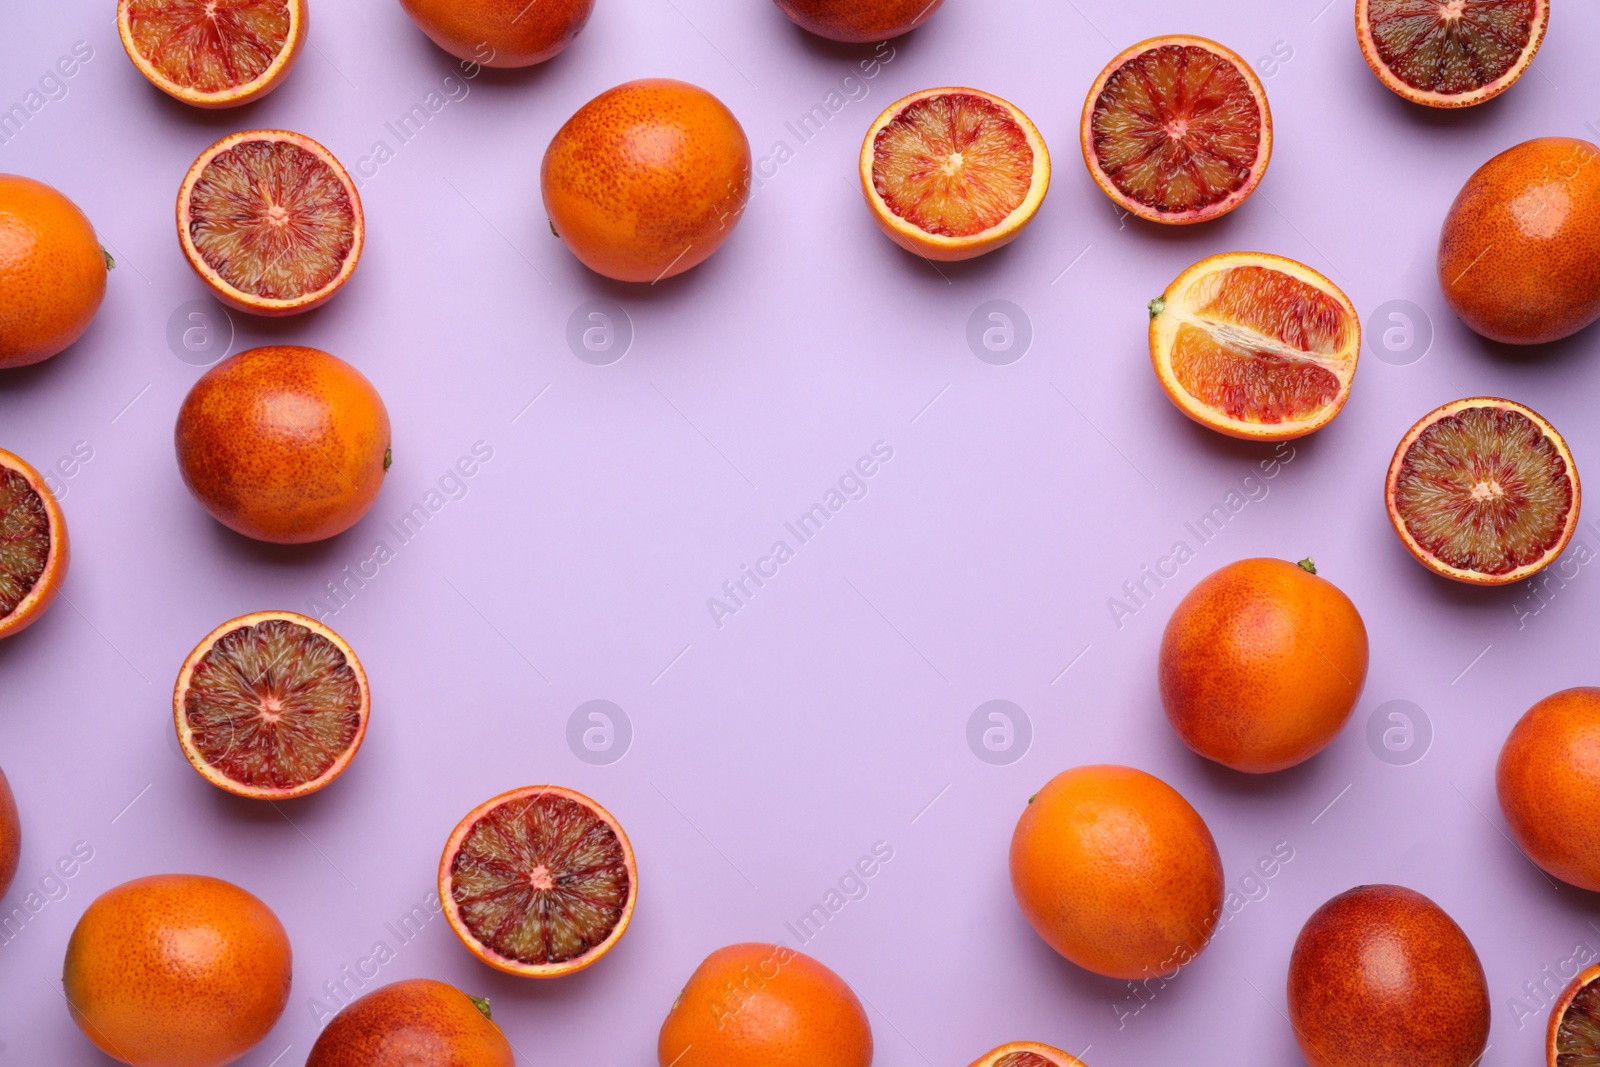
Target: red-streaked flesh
541,879
1022,1059
1177,129
273,706
24,539
1258,344
1485,490
1578,1033
210,46
1451,47
954,165
272,219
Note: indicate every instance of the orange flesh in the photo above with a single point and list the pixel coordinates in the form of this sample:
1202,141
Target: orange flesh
1022,1059
1451,46
1484,490
210,46
273,706
24,539
1253,351
1177,129
540,879
272,219
1578,1034
953,165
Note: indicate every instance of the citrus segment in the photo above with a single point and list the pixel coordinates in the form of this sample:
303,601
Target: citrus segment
271,705
213,53
1026,1054
1450,53
1176,129
1483,491
1573,1039
33,545
953,173
539,881
1255,346
271,221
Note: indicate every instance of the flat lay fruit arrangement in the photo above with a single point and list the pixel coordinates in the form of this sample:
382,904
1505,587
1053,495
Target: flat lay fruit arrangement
1159,687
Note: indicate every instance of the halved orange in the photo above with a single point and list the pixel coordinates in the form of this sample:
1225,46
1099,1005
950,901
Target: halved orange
539,881
271,705
1450,53
271,221
1176,129
1573,1039
953,173
1483,491
1255,346
1026,1054
34,550
213,53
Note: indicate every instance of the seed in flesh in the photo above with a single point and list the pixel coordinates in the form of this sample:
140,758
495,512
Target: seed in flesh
24,539
210,46
1451,47
953,165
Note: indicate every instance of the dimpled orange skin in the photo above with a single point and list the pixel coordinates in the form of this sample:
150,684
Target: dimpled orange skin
766,1004
52,272
177,970
1116,872
10,835
501,33
1380,976
1548,779
1519,256
284,444
418,1023
1262,664
647,179
859,21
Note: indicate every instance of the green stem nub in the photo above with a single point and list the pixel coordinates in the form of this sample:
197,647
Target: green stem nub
388,459
482,1004
111,263
1157,306
1308,565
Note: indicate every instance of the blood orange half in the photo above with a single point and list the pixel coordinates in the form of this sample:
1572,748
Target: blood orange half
34,550
1026,1054
271,705
1450,53
1177,130
270,221
1255,346
1484,491
953,173
213,53
538,882
1573,1039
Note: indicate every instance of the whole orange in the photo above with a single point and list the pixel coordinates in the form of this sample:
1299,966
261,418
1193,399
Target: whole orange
1262,664
859,21
177,970
1116,872
1519,256
418,1023
647,179
501,33
10,835
765,1004
1548,778
52,272
284,443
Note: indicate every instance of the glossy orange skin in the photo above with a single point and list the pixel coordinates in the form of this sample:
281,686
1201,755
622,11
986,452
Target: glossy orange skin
52,272
766,1004
1519,256
32,609
284,444
1548,779
501,33
1262,664
1380,976
418,1023
859,21
1114,869
177,970
10,835
647,180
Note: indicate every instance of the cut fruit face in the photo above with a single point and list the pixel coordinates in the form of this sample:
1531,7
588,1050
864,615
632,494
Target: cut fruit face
1484,491
271,705
1026,1054
1255,346
953,173
1573,1039
33,545
539,881
271,221
213,53
1450,53
1177,130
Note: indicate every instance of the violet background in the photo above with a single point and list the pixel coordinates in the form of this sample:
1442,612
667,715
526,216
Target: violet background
831,712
